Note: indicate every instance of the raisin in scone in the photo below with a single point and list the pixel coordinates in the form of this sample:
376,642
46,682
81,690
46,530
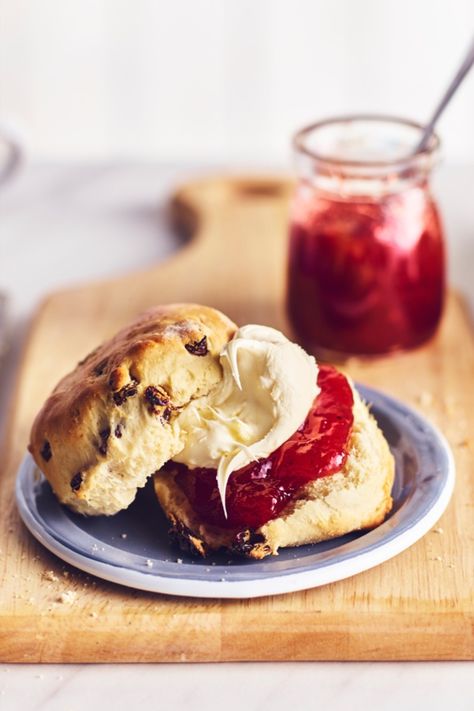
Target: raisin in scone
112,422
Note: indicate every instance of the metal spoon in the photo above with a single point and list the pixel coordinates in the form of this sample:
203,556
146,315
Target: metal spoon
447,96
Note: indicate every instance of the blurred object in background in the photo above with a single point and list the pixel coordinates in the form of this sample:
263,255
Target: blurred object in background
11,153
3,324
366,261
211,81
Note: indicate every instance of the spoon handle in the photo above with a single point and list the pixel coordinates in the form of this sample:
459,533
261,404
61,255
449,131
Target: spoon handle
453,86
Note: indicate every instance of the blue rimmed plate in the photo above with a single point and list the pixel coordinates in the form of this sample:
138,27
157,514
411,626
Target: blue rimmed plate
132,548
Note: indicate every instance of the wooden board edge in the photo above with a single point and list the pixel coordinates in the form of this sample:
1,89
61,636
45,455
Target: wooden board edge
447,636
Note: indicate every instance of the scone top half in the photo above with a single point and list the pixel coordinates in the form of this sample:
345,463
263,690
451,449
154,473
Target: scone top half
110,423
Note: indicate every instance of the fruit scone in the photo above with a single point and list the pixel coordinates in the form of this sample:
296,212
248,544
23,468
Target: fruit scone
252,445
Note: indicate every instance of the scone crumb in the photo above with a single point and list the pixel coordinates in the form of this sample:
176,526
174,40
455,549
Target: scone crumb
451,406
149,563
93,614
50,575
438,530
425,398
179,560
123,535
67,598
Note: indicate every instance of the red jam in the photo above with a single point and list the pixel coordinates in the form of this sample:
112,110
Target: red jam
366,276
261,490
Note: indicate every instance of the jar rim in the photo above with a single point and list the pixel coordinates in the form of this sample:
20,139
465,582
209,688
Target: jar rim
299,142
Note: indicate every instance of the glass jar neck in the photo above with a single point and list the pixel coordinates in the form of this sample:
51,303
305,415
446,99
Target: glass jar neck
350,181
364,155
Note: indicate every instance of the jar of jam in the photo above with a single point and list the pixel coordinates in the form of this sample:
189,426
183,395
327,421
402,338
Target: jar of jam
366,253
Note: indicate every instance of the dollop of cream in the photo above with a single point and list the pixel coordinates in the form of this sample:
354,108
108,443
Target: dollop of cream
268,387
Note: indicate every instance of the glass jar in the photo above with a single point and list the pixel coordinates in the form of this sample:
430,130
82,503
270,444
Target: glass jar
366,254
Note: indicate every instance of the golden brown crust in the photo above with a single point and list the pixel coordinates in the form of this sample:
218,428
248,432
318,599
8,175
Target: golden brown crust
109,423
358,497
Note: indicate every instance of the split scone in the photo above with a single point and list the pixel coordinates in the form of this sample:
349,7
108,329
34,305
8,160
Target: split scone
252,445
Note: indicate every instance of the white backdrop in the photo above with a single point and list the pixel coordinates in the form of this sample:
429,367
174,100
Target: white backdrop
218,80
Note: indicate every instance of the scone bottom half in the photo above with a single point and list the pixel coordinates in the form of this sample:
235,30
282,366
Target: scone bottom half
358,497
110,423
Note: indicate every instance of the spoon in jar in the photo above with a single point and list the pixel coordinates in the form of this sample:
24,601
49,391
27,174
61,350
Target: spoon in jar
447,96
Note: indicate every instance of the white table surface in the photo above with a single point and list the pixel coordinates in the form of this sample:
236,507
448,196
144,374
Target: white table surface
64,224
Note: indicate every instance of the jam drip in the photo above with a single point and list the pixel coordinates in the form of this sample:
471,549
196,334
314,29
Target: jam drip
260,491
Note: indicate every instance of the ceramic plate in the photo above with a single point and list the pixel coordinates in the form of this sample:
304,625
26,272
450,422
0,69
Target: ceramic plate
131,548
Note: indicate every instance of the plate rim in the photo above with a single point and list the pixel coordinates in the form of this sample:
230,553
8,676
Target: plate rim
280,582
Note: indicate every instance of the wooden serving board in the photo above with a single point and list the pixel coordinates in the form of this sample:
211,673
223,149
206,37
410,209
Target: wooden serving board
418,605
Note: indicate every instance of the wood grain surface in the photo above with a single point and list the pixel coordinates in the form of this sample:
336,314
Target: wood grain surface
418,605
